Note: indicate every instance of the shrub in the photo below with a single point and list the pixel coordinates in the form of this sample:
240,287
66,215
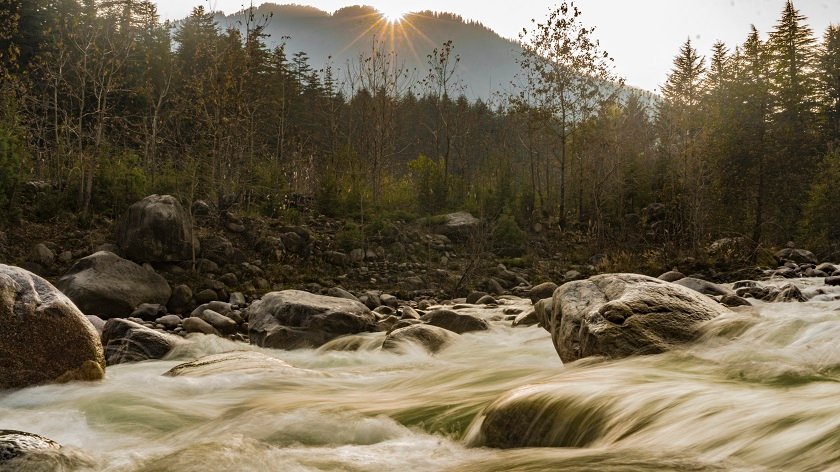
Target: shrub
508,239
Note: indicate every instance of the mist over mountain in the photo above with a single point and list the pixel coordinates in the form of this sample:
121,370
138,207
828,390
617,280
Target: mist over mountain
487,61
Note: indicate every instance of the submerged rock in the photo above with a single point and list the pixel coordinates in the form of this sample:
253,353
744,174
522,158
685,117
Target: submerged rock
238,362
538,416
108,286
620,315
157,229
43,336
430,337
294,319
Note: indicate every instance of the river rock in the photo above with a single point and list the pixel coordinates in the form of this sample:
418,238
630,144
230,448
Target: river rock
799,256
197,325
432,338
293,319
169,322
459,225
181,299
456,322
703,286
127,341
15,444
108,286
219,321
542,415
542,311
474,297
527,318
339,292
43,336
671,276
42,255
620,315
157,229
789,293
541,291
236,362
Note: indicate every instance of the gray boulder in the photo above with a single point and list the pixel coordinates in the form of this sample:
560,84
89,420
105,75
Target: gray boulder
105,285
127,341
432,338
293,319
526,318
157,229
620,315
219,321
459,225
456,322
43,336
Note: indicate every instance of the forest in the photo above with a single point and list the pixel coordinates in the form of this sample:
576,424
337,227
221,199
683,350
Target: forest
105,103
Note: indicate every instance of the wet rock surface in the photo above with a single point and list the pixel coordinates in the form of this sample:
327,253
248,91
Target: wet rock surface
43,336
620,315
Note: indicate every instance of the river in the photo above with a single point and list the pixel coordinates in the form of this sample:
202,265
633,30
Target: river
760,391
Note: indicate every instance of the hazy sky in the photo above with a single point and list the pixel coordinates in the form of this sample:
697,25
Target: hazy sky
642,35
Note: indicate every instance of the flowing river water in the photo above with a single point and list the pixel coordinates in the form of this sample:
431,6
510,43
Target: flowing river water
760,391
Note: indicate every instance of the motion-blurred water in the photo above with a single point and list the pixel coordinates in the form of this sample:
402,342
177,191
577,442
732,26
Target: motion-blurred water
759,392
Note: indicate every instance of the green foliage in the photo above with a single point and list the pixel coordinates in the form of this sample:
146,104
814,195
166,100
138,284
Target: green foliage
120,182
430,187
327,197
821,224
13,151
508,238
350,237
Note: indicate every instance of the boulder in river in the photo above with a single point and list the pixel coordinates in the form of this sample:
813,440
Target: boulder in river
108,286
157,229
43,336
430,337
293,319
127,341
456,322
792,254
235,362
620,315
15,444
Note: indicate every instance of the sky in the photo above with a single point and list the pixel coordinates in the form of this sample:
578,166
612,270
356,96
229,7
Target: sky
643,36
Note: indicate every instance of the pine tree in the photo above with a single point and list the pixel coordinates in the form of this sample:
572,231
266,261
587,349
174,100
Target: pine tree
829,75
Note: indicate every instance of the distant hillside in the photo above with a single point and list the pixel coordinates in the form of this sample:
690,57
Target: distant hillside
488,61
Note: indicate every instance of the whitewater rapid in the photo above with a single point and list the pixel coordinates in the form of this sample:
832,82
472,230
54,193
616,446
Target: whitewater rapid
760,391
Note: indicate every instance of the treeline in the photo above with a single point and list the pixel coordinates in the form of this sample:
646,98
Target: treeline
105,103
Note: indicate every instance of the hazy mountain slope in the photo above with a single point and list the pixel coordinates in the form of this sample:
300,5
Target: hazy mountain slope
488,61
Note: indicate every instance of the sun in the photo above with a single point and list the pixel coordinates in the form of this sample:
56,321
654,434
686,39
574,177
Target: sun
392,13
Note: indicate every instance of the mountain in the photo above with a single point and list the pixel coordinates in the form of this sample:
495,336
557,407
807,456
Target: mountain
487,61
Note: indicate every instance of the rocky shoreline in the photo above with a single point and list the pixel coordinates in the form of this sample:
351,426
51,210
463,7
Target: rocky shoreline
107,310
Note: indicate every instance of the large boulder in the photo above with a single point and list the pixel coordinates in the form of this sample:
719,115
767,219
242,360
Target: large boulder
127,341
293,319
105,285
157,229
43,336
459,225
620,315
